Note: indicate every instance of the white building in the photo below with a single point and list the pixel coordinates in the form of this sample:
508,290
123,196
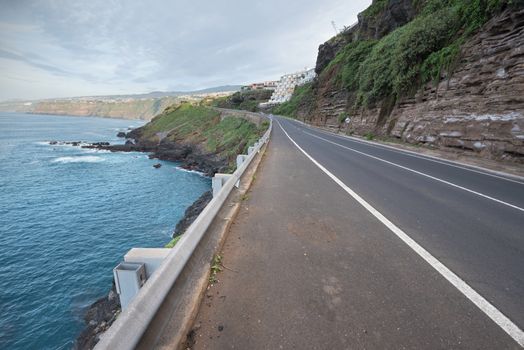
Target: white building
286,85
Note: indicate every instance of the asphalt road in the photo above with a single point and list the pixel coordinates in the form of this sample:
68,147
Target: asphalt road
309,266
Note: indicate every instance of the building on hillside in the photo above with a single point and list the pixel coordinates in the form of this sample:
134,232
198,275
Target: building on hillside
266,85
286,85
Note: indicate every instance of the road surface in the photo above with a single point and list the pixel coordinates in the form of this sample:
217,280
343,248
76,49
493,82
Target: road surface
345,244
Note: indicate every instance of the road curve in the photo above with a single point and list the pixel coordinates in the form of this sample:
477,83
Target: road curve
316,258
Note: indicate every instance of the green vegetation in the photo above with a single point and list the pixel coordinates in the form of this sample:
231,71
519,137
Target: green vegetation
224,136
244,100
173,242
375,8
232,136
216,267
379,72
415,53
182,121
301,94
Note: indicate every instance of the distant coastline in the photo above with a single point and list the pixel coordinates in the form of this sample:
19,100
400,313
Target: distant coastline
140,106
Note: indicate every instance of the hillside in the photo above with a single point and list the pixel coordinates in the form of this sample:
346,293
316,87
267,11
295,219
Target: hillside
447,74
202,138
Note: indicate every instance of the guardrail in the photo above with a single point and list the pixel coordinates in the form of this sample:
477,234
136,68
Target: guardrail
128,329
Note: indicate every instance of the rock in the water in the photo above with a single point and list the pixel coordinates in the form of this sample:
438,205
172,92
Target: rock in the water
121,134
157,165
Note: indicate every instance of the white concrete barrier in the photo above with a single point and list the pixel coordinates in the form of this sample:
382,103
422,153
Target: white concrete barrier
241,158
218,181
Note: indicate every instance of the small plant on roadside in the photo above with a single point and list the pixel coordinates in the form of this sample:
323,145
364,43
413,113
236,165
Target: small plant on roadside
216,267
369,136
173,242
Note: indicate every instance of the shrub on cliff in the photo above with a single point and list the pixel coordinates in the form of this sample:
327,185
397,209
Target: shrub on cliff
301,95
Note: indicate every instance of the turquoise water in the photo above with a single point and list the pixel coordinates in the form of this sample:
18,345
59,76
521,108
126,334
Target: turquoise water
67,217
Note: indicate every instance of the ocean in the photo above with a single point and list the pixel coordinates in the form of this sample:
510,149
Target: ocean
67,217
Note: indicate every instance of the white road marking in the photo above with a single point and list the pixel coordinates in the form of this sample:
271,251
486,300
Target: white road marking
415,155
419,173
485,306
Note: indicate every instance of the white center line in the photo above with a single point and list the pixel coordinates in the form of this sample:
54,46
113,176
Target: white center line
419,173
485,306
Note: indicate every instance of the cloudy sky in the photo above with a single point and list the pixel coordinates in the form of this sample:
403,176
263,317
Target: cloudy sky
59,48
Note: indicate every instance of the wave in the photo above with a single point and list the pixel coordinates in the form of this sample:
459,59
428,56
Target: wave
191,171
94,150
79,159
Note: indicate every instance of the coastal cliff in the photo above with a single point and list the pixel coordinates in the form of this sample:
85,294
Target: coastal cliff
201,138
447,74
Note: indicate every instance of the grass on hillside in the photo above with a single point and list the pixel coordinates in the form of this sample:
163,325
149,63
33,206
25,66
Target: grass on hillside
225,137
289,108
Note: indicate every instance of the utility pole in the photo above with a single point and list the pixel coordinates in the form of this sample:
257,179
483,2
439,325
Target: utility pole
335,27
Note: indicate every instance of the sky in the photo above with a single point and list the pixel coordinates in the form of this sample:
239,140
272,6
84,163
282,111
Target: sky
64,48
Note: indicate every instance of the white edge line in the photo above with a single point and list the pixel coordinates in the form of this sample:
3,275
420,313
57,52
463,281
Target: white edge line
485,306
473,168
420,173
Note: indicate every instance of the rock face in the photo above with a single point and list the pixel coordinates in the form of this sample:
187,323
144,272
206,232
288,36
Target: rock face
99,316
192,213
394,14
479,107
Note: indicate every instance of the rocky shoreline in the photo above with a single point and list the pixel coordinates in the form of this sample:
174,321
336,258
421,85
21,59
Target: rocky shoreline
102,313
190,155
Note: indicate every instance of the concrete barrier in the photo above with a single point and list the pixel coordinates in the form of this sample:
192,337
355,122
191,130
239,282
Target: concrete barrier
218,181
128,331
241,158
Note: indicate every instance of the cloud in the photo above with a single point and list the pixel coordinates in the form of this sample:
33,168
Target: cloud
64,48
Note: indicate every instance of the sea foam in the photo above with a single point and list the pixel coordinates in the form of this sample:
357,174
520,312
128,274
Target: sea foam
79,159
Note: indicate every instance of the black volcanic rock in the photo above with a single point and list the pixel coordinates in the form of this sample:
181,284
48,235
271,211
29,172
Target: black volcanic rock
192,213
121,134
98,318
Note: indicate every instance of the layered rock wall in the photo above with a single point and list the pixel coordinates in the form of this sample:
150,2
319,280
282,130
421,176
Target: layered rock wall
478,107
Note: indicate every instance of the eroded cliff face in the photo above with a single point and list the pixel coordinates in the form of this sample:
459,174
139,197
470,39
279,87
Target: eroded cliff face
478,107
390,16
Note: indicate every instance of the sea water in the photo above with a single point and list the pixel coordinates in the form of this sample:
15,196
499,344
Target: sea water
67,217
